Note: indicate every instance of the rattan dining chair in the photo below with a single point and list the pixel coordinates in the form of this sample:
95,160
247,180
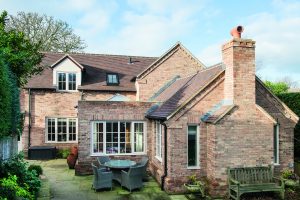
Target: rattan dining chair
144,162
133,178
102,178
101,160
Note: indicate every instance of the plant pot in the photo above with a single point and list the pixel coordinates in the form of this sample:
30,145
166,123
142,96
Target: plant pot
74,151
71,160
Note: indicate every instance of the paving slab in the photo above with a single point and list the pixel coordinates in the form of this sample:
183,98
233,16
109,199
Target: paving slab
65,185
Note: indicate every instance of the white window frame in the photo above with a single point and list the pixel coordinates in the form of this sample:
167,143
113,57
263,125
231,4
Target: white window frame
131,138
158,140
67,81
276,131
56,134
197,166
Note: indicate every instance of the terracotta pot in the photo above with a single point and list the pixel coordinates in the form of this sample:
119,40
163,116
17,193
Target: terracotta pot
71,160
237,31
74,151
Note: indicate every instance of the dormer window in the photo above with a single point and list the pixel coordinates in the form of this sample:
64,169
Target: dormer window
112,79
66,81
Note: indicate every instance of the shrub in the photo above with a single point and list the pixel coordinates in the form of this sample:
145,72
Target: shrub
38,169
5,100
17,166
287,174
10,189
62,153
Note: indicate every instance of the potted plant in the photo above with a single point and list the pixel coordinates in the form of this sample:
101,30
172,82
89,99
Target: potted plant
72,157
290,178
195,187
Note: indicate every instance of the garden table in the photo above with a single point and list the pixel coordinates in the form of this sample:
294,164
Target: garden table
117,166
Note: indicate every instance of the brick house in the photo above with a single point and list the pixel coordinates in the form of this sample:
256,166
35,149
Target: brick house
188,118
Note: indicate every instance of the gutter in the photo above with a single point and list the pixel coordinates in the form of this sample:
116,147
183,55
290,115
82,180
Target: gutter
165,157
29,117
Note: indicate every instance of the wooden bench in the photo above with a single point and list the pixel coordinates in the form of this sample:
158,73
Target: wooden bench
253,179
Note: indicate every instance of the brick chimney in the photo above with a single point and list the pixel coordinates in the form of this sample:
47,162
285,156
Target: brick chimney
239,60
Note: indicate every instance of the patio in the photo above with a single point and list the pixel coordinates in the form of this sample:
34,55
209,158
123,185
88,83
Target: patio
63,184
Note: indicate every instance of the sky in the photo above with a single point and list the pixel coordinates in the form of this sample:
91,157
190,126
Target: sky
151,27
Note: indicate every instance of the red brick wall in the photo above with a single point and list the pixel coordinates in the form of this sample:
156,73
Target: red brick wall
99,110
239,60
47,103
177,137
286,121
180,63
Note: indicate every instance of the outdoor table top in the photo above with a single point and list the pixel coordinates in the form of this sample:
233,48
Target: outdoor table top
120,164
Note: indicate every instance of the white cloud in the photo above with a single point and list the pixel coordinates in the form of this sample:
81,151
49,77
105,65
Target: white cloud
151,31
277,44
210,55
277,36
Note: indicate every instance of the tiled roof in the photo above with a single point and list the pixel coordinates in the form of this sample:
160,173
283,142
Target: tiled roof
218,111
95,68
181,90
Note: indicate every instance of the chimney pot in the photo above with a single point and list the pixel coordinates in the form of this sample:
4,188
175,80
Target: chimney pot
236,32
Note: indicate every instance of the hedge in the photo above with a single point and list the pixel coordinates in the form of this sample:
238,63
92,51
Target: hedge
292,100
10,121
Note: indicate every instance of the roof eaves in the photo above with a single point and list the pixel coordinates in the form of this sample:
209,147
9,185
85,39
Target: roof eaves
156,118
283,104
164,56
163,88
192,55
107,90
224,113
65,57
266,114
193,96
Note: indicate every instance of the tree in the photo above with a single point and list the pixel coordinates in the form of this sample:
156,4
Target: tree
18,53
277,87
48,33
19,60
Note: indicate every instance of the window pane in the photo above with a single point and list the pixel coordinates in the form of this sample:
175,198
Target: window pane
98,138
138,137
72,81
112,137
51,129
158,139
61,129
62,81
192,146
276,142
72,129
112,78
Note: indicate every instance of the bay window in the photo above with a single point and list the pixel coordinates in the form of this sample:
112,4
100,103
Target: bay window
118,137
61,129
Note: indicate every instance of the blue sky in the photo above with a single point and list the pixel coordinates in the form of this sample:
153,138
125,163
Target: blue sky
150,27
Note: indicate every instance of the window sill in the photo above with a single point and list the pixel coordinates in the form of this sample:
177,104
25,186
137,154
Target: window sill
196,167
276,164
67,91
63,142
128,154
158,158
